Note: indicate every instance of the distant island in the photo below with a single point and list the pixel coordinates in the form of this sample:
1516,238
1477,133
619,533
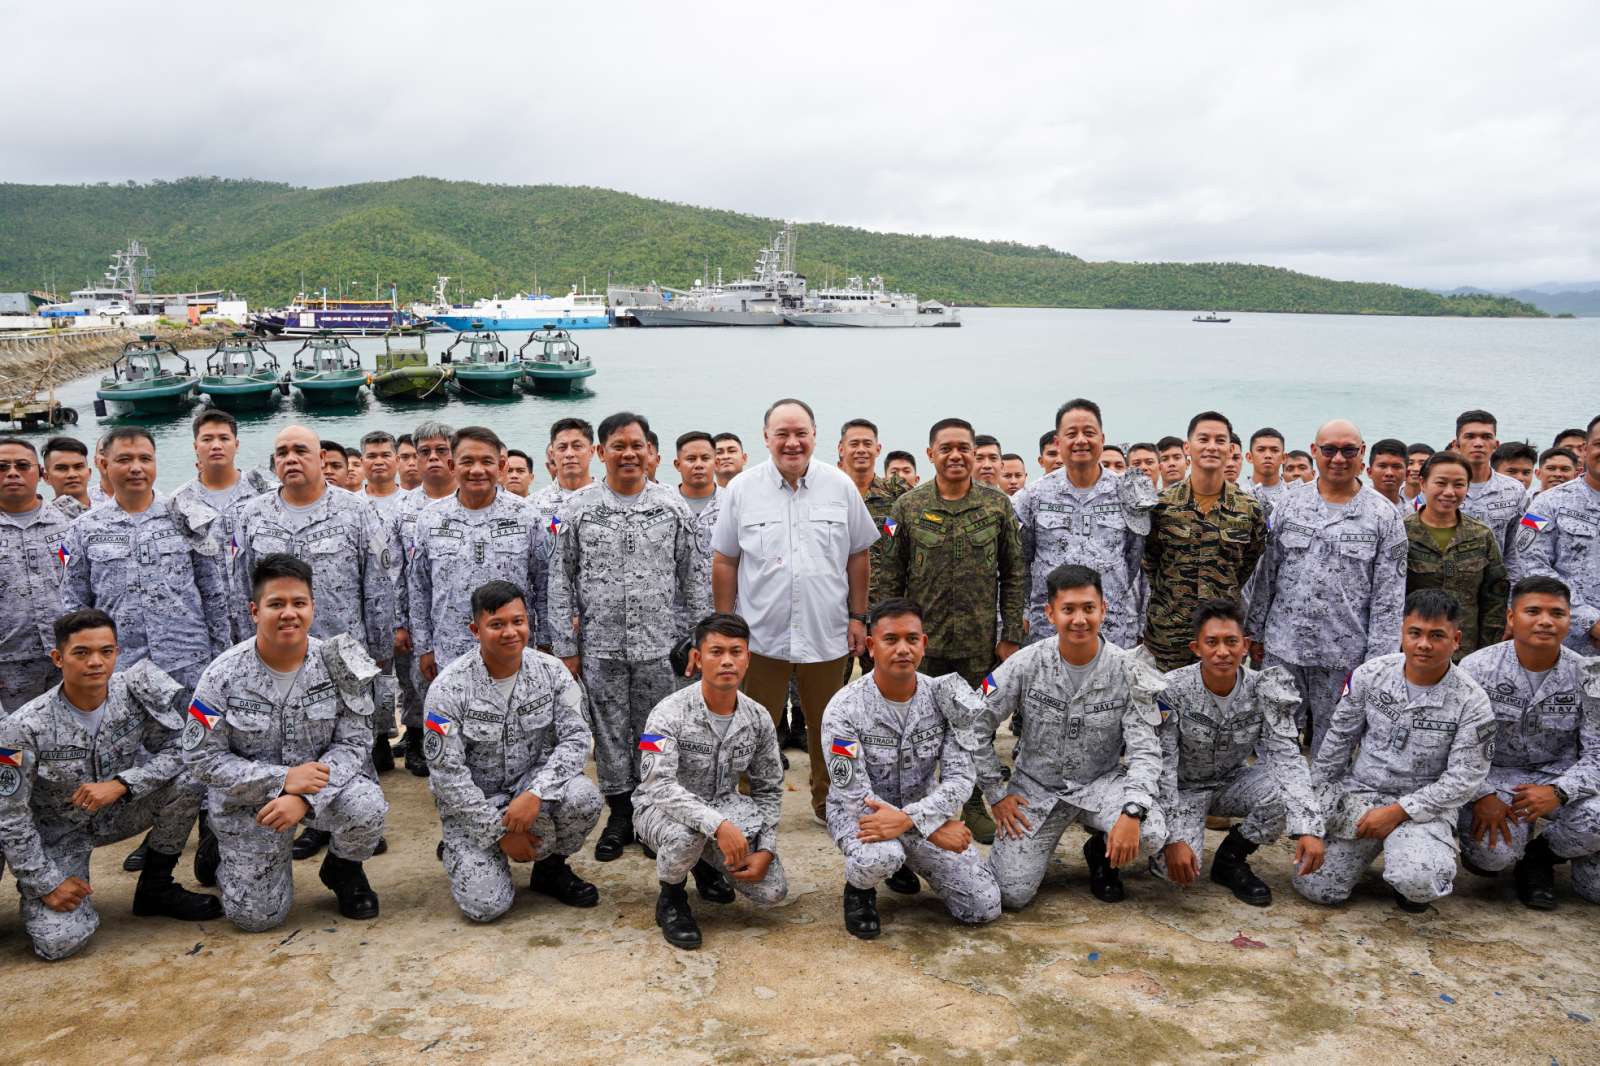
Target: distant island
264,239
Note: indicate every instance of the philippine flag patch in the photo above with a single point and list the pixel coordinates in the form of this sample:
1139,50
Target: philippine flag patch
653,742
987,685
438,723
203,714
555,526
841,746
889,526
10,757
1345,691
1534,522
66,556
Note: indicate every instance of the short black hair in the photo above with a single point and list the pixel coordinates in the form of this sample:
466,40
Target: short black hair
214,414
984,440
622,419
1298,453
79,620
718,438
892,607
767,417
1109,448
1477,414
481,434
1540,585
403,439
652,440
1209,416
125,433
1548,453
352,453
1214,609
1233,438
18,442
65,444
1564,434
1446,459
1589,429
1419,448
1167,443
1514,449
1387,446
326,445
518,453
1434,604
857,423
275,566
1007,457
723,623
1080,404
377,436
685,439
1267,431
1142,446
490,596
1072,576
951,423
900,456
1045,440
561,425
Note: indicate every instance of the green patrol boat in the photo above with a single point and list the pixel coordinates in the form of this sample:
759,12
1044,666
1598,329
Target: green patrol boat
241,375
554,364
140,385
402,371
327,371
486,368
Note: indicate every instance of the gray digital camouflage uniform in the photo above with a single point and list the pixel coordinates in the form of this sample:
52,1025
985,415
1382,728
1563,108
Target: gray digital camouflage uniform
1546,736
1430,756
1561,539
1207,769
402,521
252,741
690,785
1329,593
159,574
1102,527
1498,503
68,506
453,551
251,483
704,522
1268,495
31,570
1068,762
46,753
484,751
919,760
350,551
618,566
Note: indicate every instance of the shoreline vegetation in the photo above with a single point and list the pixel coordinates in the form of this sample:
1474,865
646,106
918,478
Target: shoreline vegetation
260,239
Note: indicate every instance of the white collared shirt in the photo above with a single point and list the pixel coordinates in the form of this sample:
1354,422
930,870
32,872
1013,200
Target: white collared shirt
793,545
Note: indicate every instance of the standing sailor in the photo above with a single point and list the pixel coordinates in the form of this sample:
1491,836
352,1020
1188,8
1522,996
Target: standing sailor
436,472
32,563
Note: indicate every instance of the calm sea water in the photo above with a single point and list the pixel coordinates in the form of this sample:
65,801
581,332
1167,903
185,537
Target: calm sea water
1006,371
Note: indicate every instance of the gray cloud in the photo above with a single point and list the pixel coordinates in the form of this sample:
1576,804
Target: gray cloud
1419,143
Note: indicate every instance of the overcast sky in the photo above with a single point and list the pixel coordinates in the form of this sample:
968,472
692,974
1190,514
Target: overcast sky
1423,143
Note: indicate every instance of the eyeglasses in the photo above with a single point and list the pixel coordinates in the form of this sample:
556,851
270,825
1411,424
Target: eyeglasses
21,466
1349,451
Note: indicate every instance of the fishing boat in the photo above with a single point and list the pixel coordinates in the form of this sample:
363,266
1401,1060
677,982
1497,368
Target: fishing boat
485,366
551,362
241,375
1212,316
327,371
403,373
140,385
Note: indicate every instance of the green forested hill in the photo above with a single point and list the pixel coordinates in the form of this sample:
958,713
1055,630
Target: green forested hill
262,238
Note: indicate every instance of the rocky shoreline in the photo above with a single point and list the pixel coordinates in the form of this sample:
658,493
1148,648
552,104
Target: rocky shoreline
41,360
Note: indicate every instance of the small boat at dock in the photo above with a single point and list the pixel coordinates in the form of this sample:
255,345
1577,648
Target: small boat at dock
552,362
139,384
241,375
402,372
327,371
1212,316
483,366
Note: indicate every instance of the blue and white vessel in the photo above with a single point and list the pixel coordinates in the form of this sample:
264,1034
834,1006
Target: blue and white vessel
524,311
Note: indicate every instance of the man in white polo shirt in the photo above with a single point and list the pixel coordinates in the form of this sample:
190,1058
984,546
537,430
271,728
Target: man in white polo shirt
791,545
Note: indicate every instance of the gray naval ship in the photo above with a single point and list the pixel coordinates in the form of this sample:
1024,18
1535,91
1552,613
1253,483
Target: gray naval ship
759,300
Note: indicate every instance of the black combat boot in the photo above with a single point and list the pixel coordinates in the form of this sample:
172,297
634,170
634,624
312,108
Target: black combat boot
348,882
861,912
207,855
675,918
904,881
382,755
1535,875
711,884
618,832
309,842
1231,869
1104,881
416,762
1409,906
157,895
135,860
554,878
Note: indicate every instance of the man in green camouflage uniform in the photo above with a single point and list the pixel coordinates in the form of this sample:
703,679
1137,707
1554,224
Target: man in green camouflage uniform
1206,534
955,551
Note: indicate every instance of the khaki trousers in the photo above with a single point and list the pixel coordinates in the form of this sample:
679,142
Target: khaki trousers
767,682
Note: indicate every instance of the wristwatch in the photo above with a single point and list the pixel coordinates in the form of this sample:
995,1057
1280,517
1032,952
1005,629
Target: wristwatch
1136,811
858,618
1561,794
